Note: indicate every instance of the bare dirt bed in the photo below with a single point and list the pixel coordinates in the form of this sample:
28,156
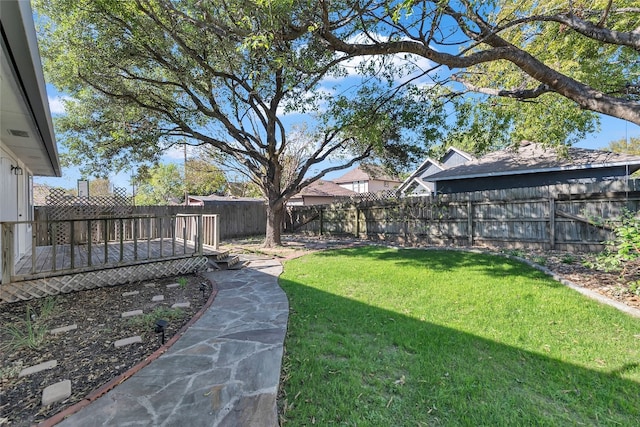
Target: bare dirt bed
574,268
86,355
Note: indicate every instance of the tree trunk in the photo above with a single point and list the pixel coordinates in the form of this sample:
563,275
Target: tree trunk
275,215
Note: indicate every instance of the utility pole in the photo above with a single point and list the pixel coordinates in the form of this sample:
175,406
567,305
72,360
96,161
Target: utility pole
186,195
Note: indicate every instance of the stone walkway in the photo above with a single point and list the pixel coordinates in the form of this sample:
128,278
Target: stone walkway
224,370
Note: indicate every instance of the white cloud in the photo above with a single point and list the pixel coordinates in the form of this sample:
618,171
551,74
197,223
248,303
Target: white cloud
176,153
417,63
56,105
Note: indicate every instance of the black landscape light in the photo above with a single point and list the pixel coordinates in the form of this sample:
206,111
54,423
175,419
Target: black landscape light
203,287
161,324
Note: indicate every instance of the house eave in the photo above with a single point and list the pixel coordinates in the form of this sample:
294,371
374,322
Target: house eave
20,51
537,170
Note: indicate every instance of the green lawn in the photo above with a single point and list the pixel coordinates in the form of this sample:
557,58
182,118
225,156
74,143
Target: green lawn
384,337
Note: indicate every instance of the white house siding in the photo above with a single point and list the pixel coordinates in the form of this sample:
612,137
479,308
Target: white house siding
376,185
15,197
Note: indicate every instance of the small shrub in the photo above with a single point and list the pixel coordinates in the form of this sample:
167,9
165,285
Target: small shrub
621,253
11,371
48,307
540,260
634,287
27,333
516,252
182,281
567,259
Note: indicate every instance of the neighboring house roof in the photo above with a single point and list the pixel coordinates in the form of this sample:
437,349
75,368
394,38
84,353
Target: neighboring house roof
322,188
40,194
429,163
415,176
26,123
366,173
536,158
451,150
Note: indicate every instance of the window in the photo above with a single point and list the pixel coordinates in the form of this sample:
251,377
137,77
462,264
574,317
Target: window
359,186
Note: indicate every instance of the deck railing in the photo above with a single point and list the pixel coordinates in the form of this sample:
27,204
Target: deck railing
92,243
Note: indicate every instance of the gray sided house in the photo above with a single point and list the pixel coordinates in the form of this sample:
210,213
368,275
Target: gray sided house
418,183
533,165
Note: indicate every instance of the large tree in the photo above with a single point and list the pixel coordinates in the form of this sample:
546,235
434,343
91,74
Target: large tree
625,145
144,75
202,178
582,51
160,185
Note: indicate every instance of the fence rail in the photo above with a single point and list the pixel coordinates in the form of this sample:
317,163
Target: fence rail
79,244
527,218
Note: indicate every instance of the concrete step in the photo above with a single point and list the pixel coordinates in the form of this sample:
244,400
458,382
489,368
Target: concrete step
230,262
218,255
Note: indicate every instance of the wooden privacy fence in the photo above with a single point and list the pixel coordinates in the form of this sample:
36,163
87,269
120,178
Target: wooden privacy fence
236,218
517,219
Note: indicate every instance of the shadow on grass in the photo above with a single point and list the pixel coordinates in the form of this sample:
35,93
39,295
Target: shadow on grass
350,363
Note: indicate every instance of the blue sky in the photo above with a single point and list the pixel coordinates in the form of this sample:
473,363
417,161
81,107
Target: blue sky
611,129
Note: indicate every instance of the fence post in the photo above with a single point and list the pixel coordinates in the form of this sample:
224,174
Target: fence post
216,231
470,221
200,235
7,252
552,223
321,221
89,248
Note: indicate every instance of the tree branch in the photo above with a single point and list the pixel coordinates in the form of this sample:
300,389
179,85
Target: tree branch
520,94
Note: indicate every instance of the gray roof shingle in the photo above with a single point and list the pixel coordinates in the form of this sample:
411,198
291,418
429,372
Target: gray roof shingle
533,158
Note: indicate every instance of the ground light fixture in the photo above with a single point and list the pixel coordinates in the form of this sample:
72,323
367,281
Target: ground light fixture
203,288
161,325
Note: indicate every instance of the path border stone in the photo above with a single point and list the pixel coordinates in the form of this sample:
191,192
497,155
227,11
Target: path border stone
128,341
131,313
63,329
50,364
56,392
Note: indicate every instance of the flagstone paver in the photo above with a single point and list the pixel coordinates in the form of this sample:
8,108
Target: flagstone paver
223,371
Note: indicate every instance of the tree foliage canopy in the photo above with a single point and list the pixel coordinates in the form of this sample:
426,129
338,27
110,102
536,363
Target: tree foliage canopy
144,75
627,146
161,185
546,58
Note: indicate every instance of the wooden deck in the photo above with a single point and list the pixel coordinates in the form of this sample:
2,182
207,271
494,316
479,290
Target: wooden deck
65,259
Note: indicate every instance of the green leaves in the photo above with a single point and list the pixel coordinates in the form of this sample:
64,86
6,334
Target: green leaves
623,251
